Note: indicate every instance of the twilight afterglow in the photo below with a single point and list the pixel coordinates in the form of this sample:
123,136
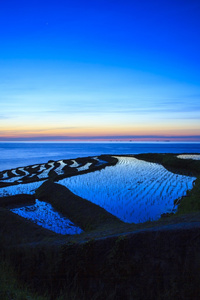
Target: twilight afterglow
100,70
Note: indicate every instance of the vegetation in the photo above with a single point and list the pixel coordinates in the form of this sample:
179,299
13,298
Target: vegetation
170,161
190,167
12,288
111,260
191,202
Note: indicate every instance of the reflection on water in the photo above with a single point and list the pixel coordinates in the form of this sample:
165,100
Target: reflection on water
43,214
23,154
189,156
133,190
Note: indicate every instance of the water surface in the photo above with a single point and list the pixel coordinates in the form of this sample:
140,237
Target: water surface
43,214
14,155
133,190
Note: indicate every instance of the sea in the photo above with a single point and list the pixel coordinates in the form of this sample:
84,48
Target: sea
22,154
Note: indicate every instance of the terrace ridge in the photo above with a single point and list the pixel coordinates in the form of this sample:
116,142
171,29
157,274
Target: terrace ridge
82,212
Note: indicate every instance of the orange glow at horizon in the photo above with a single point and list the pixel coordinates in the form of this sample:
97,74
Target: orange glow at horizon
97,129
99,133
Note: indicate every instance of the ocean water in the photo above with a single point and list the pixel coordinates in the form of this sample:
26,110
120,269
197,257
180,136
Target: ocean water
14,155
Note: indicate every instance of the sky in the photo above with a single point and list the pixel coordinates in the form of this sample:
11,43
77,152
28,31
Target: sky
99,70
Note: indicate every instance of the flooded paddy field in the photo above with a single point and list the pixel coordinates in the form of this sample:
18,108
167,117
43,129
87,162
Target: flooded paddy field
189,156
44,214
26,180
54,169
133,190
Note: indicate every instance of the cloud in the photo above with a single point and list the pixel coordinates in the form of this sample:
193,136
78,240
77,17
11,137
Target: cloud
2,117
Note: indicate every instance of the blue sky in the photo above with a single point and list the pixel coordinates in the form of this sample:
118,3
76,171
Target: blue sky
99,69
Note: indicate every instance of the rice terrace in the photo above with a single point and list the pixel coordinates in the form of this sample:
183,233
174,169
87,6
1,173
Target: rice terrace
102,227
100,150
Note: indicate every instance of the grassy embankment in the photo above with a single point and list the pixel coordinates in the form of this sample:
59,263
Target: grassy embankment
155,260
12,288
191,202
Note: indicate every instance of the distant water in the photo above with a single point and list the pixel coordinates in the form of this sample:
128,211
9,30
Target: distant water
14,155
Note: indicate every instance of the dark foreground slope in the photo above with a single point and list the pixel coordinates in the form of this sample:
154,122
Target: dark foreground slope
154,263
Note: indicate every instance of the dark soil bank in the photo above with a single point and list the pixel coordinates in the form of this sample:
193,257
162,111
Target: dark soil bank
17,200
82,212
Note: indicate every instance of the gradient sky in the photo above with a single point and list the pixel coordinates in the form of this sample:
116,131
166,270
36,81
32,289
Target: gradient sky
100,70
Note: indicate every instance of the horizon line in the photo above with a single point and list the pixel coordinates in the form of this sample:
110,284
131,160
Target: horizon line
128,138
